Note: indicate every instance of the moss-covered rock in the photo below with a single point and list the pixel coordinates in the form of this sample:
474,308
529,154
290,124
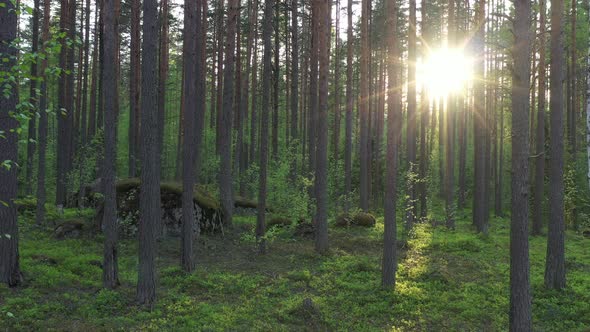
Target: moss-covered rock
304,229
279,222
343,220
364,219
71,228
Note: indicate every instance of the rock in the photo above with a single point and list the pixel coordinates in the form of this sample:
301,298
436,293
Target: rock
69,229
279,222
364,220
304,229
343,220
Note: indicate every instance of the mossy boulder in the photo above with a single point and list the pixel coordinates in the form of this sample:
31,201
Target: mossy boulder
71,228
279,222
343,220
364,219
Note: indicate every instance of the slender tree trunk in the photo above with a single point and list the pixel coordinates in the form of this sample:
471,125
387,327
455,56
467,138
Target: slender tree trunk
294,75
573,85
225,175
411,117
110,278
276,76
134,82
349,106
337,94
539,184
32,135
163,67
190,60
389,264
520,298
313,90
220,72
321,235
149,200
84,116
94,79
364,107
43,104
9,255
479,127
555,263
254,88
266,98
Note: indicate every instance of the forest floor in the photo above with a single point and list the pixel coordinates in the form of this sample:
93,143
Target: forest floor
447,281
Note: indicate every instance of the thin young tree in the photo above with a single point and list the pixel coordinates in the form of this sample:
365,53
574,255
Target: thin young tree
520,298
364,106
294,73
149,200
411,117
349,106
31,142
555,261
266,98
9,255
110,278
389,264
321,174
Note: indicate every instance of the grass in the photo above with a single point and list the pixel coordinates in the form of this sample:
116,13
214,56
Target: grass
447,280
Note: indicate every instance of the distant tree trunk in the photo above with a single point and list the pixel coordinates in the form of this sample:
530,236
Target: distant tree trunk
337,111
9,256
163,67
134,82
237,110
149,201
190,60
539,184
520,298
555,263
84,116
572,86
225,174
220,71
321,176
254,91
389,264
275,81
424,118
479,175
32,135
313,89
364,106
349,106
294,74
266,98
100,107
94,79
411,117
588,113
110,278
43,104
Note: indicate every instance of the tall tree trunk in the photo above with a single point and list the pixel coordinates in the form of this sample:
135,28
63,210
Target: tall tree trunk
337,111
94,78
84,116
411,117
313,89
479,127
220,72
555,263
190,61
163,66
276,76
43,104
225,174
539,184
321,176
389,264
149,200
573,86
254,91
134,82
9,256
364,106
349,106
110,278
266,98
520,298
294,76
33,101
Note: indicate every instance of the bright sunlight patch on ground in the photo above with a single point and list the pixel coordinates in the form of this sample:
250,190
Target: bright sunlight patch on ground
445,71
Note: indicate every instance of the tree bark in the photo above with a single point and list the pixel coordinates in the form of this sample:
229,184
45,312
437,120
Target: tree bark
555,261
364,106
134,83
149,202
9,255
349,106
32,134
520,298
163,67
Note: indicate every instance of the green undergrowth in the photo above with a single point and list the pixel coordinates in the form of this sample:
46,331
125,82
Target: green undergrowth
446,281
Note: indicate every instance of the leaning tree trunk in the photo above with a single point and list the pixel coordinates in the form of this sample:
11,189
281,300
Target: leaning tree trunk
520,298
9,257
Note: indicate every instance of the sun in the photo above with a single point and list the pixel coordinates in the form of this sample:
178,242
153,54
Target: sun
445,71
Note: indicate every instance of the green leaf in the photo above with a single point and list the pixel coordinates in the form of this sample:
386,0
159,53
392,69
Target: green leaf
9,314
